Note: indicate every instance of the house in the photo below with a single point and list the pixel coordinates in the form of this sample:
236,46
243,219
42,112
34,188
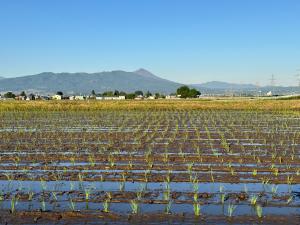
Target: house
20,98
173,96
139,97
45,97
111,98
99,98
151,97
269,93
56,97
91,97
79,97
30,97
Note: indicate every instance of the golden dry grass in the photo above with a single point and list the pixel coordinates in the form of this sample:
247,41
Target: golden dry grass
234,104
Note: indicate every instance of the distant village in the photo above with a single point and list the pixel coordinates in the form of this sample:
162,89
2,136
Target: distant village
182,92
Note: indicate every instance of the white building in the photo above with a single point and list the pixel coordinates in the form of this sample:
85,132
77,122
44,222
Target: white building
111,98
139,97
57,97
79,97
151,97
173,96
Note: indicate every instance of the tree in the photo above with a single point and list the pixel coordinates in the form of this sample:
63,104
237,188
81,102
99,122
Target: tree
93,92
9,95
60,93
116,93
108,94
23,94
186,92
194,93
148,94
183,91
157,95
139,93
122,93
130,96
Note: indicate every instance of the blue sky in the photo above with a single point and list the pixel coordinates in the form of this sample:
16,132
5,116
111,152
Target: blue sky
189,41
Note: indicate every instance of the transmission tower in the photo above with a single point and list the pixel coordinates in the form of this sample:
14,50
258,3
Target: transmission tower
298,77
258,91
272,80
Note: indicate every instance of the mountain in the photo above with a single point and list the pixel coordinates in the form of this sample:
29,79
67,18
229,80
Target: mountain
221,88
225,85
2,78
146,74
141,79
84,83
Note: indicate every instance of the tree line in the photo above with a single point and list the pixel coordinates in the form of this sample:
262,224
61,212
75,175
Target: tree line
182,92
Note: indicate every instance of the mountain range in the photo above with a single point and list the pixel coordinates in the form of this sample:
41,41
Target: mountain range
221,88
76,83
224,85
84,83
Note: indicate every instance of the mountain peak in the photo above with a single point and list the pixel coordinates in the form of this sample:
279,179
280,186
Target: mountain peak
145,73
142,70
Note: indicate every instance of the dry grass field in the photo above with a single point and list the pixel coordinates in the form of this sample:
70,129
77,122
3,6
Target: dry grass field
217,104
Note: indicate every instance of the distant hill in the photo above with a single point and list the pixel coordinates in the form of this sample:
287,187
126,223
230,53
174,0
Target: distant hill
84,83
224,85
2,78
221,88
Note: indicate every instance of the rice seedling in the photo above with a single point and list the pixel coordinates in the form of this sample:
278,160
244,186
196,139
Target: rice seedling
134,204
13,204
106,206
230,210
197,208
253,200
72,205
259,211
168,207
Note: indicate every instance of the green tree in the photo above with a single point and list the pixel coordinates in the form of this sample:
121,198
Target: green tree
183,91
148,94
108,94
23,94
130,96
139,93
186,92
194,93
116,93
9,95
60,93
157,95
